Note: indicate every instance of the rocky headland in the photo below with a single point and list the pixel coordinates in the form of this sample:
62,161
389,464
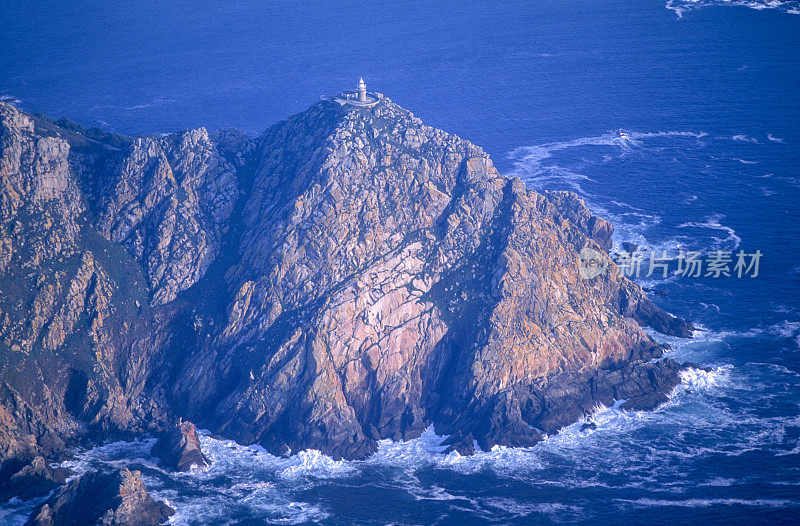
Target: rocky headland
351,275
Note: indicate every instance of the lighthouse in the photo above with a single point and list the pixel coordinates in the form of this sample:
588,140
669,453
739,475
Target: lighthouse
362,91
359,97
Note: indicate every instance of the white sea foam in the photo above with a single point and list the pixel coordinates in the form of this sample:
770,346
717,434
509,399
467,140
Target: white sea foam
312,463
775,139
789,330
533,155
515,509
305,465
686,134
530,157
680,7
11,99
694,378
16,512
705,346
537,166
785,329
703,503
158,101
730,242
117,454
260,484
741,137
702,335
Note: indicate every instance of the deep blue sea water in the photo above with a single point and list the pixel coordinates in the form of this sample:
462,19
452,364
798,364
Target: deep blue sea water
707,94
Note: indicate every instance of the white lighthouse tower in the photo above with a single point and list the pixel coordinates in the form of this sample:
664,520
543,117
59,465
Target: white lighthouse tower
358,97
362,91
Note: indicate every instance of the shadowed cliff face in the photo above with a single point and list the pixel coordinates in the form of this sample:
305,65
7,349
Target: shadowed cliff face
351,275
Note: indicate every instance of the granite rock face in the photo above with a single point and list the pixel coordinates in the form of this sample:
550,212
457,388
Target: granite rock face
109,499
67,297
351,275
166,204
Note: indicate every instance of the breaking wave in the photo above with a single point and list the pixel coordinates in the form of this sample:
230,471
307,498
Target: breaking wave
564,166
705,419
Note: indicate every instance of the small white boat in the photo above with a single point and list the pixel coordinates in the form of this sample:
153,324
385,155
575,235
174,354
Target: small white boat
622,135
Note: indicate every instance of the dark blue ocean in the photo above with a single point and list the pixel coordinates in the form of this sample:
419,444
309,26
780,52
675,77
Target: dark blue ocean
680,122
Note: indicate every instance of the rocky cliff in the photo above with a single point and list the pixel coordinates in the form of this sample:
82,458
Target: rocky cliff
350,275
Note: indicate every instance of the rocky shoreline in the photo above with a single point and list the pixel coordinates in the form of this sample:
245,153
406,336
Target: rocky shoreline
349,276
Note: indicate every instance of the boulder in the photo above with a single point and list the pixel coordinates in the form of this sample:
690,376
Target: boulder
179,448
34,480
464,443
588,426
116,498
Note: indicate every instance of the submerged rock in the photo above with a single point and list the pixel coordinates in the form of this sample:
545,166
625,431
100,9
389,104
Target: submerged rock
179,448
117,498
464,444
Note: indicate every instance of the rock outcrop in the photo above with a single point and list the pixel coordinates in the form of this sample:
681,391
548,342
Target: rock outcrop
351,275
34,480
179,448
111,499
